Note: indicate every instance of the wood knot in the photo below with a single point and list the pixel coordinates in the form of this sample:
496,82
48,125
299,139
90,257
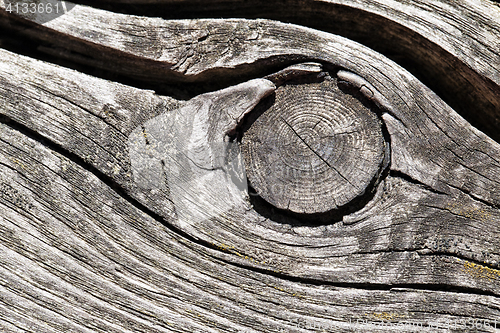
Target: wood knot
312,148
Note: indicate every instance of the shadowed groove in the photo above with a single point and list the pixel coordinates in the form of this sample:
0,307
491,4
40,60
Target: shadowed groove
453,81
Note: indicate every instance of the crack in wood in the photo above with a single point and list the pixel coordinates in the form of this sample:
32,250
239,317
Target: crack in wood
408,178
407,214
317,154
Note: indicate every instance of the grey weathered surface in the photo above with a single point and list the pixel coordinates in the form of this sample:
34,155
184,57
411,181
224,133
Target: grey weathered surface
85,247
316,154
185,152
453,45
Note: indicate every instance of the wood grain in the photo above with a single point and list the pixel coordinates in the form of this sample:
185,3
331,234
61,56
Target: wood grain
314,149
85,247
449,46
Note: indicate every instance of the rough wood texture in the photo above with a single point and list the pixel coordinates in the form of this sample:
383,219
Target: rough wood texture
185,153
316,154
123,211
451,46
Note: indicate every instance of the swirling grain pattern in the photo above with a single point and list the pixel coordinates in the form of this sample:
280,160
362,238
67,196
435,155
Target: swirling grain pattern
123,209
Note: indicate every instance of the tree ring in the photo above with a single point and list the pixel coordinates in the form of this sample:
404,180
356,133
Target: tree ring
314,148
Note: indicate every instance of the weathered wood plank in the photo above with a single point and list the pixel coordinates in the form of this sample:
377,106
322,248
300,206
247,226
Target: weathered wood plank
424,41
83,247
97,263
418,115
264,39
89,118
312,247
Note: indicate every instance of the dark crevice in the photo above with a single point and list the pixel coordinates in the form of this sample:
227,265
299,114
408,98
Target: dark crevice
28,132
457,255
489,204
20,37
426,251
467,192
370,286
122,193
408,178
435,67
